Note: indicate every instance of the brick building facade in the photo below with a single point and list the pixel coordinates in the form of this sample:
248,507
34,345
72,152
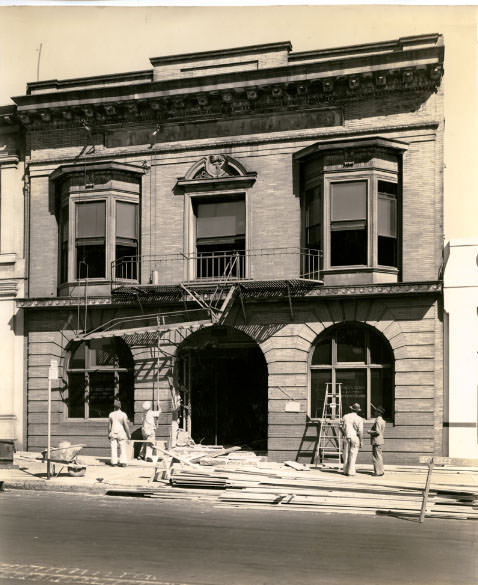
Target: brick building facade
236,229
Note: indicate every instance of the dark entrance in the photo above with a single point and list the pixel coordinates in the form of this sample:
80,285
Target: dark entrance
223,374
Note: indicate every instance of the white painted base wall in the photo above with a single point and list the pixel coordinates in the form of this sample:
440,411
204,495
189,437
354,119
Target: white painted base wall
461,374
11,373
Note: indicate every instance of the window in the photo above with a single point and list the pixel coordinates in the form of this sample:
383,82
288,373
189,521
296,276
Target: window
98,372
387,223
90,239
361,360
348,223
351,205
126,249
98,219
313,218
220,236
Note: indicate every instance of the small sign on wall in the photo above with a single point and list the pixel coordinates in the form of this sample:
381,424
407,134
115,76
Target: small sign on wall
53,370
292,406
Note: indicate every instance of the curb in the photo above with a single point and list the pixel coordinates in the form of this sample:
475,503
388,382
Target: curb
44,486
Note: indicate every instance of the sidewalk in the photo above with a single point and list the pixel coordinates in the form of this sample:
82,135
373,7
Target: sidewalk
262,483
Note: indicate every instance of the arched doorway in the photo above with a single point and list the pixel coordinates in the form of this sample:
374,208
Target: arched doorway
222,375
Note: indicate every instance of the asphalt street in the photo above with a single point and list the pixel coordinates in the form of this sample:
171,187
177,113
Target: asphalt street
50,537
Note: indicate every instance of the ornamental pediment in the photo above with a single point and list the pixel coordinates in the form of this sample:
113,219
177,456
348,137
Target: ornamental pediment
216,171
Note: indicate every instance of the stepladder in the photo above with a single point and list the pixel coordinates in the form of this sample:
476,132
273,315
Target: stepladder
330,443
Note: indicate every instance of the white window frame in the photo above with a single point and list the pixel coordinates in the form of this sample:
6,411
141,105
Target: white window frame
110,198
190,226
371,177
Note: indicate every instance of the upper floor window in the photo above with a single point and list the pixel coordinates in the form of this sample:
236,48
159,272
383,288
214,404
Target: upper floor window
98,221
351,204
216,191
358,358
98,372
220,236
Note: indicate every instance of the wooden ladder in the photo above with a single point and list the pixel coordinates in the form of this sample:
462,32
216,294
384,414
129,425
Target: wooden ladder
329,445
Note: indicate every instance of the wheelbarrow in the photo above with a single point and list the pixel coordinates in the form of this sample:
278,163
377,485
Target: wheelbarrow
67,457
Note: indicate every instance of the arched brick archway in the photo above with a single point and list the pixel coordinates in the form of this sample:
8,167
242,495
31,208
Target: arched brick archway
222,375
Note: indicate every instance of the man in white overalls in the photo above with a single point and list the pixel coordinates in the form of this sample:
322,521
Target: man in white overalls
352,429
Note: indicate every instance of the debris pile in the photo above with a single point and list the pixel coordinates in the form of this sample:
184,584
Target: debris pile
247,480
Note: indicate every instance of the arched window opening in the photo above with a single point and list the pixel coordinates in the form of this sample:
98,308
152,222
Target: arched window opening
362,360
98,372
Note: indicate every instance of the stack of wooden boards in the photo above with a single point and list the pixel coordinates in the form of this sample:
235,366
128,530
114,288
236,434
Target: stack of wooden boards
328,490
241,479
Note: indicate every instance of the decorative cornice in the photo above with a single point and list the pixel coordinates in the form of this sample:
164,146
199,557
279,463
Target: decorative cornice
402,288
97,166
155,107
254,289
58,302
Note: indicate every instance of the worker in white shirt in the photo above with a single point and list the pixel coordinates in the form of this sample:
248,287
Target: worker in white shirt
118,434
148,430
352,429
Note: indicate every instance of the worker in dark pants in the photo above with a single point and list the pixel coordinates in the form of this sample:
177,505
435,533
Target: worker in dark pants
377,439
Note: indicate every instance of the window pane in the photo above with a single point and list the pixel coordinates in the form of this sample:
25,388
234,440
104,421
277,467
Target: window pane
126,393
127,267
64,244
64,224
354,388
388,187
216,219
102,353
313,206
382,390
215,260
90,261
387,251
348,200
313,219
319,379
348,247
76,395
64,262
101,394
351,344
379,352
90,219
77,359
387,217
323,353
126,220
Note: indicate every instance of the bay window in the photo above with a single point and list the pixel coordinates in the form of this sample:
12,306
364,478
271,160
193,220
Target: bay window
351,207
98,220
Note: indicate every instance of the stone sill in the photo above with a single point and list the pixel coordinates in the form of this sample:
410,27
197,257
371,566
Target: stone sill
8,258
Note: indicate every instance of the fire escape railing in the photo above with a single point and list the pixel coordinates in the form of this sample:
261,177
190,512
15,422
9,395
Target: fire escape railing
260,264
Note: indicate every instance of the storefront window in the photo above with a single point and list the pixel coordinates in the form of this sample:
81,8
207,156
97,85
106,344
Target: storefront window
98,372
358,358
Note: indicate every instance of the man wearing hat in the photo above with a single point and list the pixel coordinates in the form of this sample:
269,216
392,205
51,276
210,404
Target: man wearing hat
148,430
376,438
352,429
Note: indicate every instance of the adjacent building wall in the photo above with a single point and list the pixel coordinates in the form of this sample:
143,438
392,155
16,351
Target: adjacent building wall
12,271
461,325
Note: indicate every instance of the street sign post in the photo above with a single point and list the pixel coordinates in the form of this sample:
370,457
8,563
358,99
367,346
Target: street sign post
52,375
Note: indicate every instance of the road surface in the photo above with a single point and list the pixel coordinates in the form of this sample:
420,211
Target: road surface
78,539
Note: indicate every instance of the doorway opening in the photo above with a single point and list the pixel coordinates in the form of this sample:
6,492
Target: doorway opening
222,375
